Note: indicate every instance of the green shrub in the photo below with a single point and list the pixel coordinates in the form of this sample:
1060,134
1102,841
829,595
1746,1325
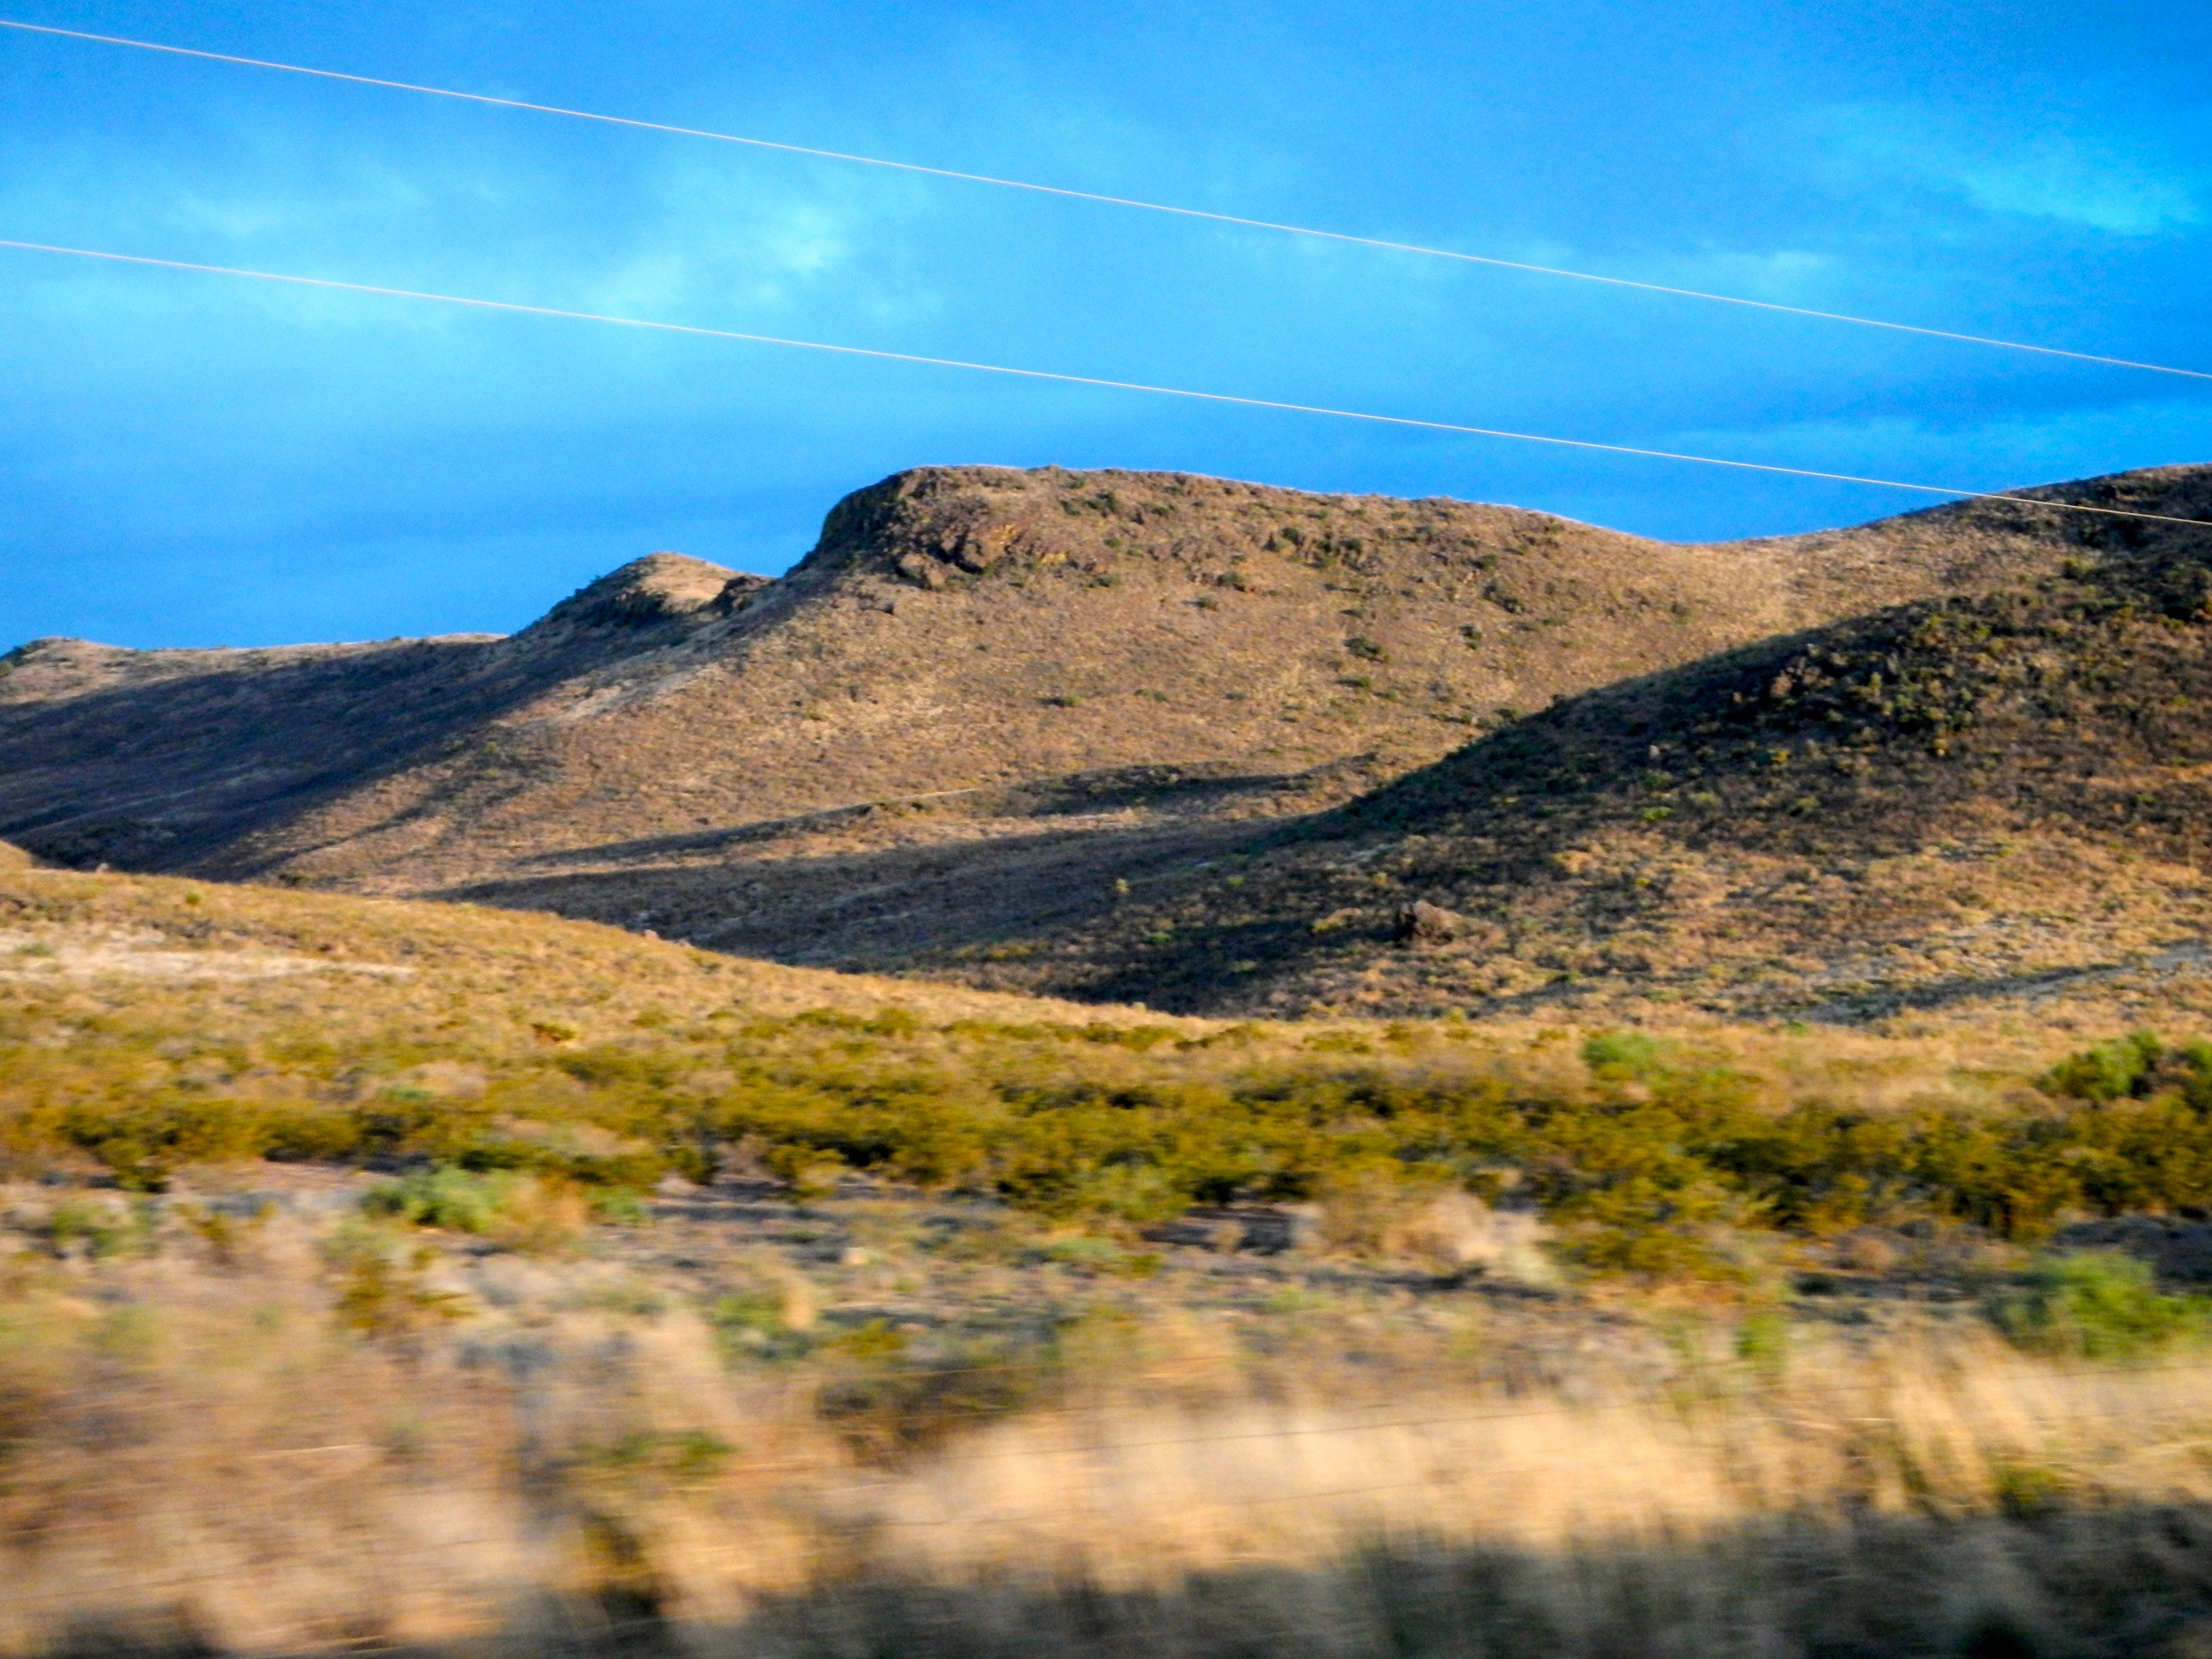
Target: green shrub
457,1200
2135,1067
1643,1229
223,1233
521,1212
1626,1054
382,1290
2098,1304
1102,1255
102,1230
808,1171
619,1207
140,1140
2030,1492
2109,1070
686,1457
886,1404
756,1325
1762,1343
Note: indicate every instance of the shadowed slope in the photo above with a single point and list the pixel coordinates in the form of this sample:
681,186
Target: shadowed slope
2001,795
165,759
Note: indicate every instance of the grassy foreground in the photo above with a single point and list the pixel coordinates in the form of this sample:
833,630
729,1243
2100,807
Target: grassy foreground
387,1274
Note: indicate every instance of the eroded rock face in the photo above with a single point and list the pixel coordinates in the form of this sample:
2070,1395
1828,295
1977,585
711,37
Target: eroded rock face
919,569
738,592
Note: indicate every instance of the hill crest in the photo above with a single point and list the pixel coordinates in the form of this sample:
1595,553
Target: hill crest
956,631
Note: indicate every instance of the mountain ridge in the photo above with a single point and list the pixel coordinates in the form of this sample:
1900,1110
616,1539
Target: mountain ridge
956,637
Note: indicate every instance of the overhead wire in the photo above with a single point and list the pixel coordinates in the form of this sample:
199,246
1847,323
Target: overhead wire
1280,406
1241,221
1105,383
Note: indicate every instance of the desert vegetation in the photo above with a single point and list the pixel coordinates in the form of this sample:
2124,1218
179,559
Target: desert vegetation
382,1048
385,1273
1720,1163
1985,803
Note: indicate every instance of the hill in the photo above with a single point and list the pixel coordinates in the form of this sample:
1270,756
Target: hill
1999,798
175,759
982,699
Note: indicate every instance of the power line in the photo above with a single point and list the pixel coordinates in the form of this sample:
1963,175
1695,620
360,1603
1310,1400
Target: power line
1278,404
1110,201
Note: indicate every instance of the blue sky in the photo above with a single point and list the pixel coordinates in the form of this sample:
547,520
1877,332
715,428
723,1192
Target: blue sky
188,459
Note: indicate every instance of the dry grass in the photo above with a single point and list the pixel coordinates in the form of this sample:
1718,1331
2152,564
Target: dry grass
81,934
200,1443
256,1414
152,948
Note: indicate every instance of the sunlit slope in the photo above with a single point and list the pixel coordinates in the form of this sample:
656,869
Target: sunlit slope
1993,798
955,630
418,974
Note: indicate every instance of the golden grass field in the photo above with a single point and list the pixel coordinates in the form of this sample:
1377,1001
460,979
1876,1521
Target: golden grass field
387,1275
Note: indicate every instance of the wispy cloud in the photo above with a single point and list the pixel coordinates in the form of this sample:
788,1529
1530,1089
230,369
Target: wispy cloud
720,241
2050,174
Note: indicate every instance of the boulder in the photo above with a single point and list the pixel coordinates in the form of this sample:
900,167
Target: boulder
921,570
1424,923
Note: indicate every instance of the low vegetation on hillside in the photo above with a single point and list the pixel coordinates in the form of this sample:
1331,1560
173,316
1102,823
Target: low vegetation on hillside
1980,801
148,1027
380,1272
374,1272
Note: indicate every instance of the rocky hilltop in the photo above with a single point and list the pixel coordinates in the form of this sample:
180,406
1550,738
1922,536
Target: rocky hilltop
982,700
1995,796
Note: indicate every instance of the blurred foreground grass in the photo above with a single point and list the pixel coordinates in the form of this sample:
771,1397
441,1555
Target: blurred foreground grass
388,1275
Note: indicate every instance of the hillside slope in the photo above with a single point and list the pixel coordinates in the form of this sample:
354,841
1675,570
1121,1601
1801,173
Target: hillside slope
172,759
1993,797
1113,668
